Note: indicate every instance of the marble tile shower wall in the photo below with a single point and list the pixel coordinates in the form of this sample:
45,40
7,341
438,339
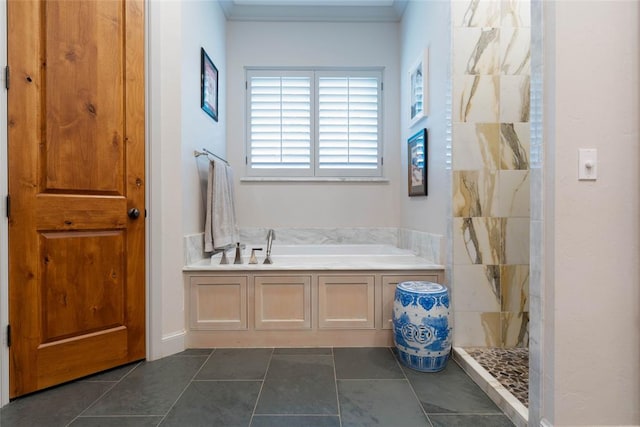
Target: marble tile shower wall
490,150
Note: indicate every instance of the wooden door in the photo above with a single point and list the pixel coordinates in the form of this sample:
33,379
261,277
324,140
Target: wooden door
76,168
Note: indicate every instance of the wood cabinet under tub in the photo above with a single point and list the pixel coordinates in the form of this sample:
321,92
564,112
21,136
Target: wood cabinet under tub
294,309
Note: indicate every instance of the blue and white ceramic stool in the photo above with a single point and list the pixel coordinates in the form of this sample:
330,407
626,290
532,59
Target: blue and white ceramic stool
421,330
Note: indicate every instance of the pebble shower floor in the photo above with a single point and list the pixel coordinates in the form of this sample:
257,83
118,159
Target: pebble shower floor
510,366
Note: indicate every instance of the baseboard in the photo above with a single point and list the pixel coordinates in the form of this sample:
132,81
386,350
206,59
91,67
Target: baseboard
173,343
545,423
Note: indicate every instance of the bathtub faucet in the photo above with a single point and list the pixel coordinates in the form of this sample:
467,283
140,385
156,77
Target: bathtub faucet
271,236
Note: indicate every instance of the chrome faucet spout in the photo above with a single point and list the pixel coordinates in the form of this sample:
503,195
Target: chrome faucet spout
271,236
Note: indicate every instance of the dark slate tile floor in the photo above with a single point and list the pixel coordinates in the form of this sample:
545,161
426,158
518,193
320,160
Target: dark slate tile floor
321,387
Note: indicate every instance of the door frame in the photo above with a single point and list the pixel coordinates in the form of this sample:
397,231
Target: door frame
4,222
153,299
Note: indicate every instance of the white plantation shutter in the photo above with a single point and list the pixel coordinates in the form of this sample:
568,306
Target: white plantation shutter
280,121
306,123
348,124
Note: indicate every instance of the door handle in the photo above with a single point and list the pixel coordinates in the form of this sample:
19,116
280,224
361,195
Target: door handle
133,213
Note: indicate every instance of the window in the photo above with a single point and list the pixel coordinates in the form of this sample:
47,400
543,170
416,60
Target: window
314,123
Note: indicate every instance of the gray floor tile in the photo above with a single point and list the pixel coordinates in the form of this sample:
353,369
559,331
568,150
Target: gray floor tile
320,350
236,364
299,384
379,403
366,363
295,421
215,403
470,421
55,407
115,374
449,391
145,421
150,389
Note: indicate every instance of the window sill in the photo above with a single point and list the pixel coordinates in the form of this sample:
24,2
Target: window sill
364,179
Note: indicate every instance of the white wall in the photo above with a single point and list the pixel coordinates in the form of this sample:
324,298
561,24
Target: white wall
592,233
426,24
177,125
203,25
322,204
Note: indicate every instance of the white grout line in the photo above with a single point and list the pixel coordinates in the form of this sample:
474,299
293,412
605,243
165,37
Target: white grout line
404,374
115,383
264,378
335,381
187,386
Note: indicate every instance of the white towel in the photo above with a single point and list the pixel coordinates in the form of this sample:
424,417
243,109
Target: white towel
221,228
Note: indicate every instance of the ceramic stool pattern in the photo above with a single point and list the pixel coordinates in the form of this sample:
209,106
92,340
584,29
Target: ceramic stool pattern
421,326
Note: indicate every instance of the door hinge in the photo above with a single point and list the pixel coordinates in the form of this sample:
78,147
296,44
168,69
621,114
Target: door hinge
145,213
381,161
246,160
8,207
6,77
8,335
381,86
246,85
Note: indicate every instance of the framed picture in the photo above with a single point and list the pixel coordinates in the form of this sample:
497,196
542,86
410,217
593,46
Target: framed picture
208,85
418,88
417,169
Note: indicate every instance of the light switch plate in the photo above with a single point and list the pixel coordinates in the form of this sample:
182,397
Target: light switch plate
587,164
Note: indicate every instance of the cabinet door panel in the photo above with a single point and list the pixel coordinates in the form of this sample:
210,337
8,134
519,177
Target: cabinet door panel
283,302
346,302
218,303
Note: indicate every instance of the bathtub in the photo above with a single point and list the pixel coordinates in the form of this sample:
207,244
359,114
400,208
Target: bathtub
320,257
331,295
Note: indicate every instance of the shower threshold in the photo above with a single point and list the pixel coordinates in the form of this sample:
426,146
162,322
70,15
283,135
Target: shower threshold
506,384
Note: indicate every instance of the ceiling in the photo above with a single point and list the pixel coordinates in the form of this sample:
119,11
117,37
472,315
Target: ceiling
314,10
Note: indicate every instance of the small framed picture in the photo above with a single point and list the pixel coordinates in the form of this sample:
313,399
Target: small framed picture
208,85
418,88
417,169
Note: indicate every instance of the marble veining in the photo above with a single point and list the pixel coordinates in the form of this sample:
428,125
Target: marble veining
296,236
476,98
466,197
478,51
515,288
479,240
515,51
476,13
492,273
474,193
515,13
477,146
477,288
515,146
513,197
423,244
515,329
488,37
514,98
193,248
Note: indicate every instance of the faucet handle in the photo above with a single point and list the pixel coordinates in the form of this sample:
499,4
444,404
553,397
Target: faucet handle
253,259
238,257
